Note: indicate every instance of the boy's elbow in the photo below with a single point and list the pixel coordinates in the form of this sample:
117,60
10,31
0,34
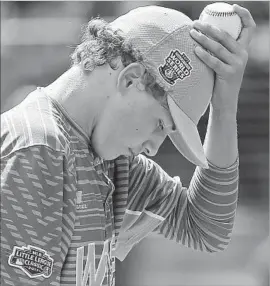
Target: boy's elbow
216,246
219,237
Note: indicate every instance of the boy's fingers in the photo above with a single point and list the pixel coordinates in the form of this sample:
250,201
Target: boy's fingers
248,23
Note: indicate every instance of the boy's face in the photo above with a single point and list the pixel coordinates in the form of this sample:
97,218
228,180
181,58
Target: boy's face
132,122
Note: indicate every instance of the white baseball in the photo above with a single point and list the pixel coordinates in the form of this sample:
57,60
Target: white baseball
222,16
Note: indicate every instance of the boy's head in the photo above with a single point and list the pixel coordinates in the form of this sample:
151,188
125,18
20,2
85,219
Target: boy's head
162,88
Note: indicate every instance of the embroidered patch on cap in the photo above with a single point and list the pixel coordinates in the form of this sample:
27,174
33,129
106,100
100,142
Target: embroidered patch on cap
176,66
32,260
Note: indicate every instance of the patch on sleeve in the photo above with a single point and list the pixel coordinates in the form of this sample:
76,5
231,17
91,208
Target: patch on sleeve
31,260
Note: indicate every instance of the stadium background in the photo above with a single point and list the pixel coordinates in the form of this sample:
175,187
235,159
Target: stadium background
36,41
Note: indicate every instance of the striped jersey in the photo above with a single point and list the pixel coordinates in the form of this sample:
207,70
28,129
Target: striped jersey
66,214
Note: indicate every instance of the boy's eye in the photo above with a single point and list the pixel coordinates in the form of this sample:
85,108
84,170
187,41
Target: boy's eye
161,125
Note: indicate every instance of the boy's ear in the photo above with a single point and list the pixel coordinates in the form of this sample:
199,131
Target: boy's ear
131,76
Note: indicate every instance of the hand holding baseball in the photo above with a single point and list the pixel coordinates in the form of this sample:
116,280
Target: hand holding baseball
226,56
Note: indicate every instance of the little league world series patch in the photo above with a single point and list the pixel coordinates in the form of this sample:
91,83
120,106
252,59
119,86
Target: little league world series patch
31,260
176,66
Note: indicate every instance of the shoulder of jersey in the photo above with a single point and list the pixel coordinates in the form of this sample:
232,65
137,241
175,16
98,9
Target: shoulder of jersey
33,122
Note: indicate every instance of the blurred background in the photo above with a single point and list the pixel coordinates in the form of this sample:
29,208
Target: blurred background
36,41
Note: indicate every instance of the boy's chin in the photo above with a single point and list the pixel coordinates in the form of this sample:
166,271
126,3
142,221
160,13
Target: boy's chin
109,157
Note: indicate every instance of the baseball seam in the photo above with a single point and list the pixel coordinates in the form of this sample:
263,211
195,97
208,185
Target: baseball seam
223,14
220,14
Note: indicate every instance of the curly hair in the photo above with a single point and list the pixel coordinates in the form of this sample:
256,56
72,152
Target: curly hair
101,44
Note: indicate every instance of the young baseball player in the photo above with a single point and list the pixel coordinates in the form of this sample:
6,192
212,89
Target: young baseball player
76,192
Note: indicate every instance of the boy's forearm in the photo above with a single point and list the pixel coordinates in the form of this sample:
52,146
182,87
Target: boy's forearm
221,143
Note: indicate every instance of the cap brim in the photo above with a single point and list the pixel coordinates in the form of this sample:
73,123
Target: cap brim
186,138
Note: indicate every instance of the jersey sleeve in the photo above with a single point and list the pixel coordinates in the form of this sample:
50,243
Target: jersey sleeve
31,216
151,189
200,217
204,215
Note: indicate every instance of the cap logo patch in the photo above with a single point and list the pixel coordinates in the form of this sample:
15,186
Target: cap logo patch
176,66
31,260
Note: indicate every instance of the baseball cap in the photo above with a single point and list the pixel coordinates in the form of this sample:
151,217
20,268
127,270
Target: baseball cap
162,37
